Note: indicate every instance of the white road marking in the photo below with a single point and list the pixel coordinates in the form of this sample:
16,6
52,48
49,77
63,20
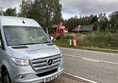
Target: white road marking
73,49
91,59
73,56
75,76
109,62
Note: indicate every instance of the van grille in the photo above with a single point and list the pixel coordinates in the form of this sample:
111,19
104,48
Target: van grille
42,65
46,73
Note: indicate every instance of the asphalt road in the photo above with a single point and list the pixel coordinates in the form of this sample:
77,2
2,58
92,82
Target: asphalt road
64,79
96,67
83,66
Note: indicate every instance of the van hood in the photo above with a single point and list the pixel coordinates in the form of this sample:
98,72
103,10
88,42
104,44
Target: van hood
33,51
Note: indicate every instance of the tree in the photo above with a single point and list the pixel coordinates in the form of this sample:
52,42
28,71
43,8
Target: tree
44,12
103,22
114,21
10,12
25,8
57,18
94,19
72,23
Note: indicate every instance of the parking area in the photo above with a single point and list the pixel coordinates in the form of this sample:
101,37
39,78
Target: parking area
63,79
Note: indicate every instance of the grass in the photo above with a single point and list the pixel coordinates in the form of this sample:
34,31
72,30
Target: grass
65,43
61,43
99,49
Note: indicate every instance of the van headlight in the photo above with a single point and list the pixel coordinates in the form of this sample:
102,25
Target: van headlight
20,62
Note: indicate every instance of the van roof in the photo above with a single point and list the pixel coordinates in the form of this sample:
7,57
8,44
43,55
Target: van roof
17,21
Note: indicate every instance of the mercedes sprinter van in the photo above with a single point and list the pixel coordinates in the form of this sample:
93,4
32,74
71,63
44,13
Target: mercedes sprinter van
27,55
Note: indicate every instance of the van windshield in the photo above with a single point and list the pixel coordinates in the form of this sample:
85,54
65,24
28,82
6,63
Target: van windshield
17,35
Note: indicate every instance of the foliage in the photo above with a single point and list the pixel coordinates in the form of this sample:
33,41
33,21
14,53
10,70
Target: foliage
72,23
85,20
103,22
99,49
102,40
48,12
44,12
66,36
94,19
114,21
10,12
61,43
26,7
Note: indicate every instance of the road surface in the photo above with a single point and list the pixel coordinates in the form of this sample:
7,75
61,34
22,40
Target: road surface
96,67
83,66
64,79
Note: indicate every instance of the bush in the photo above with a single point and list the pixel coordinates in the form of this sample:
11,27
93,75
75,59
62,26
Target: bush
66,36
61,43
102,40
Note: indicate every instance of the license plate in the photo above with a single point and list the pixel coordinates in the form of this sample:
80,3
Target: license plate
50,78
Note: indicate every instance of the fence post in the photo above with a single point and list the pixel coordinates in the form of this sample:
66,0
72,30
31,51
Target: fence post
74,42
70,42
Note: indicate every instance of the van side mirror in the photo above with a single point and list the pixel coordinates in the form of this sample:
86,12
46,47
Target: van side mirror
2,45
51,38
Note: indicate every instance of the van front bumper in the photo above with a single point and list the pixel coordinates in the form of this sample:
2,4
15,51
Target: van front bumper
36,79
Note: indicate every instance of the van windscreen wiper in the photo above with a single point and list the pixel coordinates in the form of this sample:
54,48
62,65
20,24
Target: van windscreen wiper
29,43
47,42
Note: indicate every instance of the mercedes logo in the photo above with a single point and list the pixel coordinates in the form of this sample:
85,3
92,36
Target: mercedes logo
50,61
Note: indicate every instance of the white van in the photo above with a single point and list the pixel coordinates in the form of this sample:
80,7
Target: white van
26,53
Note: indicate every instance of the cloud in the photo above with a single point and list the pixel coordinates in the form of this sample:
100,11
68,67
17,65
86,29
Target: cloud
9,3
87,7
75,7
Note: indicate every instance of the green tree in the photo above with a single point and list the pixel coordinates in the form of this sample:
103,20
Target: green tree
94,19
57,18
10,12
25,8
103,22
114,21
85,20
45,12
72,23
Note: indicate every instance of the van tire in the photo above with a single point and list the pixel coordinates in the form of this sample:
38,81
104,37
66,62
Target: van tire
5,77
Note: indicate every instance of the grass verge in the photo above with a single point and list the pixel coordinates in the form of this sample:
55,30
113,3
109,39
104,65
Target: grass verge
98,49
65,43
61,43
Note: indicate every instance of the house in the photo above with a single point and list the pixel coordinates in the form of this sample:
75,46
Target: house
83,28
58,29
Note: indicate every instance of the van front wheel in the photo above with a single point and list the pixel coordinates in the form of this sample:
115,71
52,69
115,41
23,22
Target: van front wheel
5,77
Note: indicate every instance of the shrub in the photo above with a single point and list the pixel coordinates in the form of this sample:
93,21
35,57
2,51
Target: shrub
61,43
102,40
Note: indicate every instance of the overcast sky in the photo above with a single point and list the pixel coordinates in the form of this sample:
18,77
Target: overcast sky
87,7
9,3
76,7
